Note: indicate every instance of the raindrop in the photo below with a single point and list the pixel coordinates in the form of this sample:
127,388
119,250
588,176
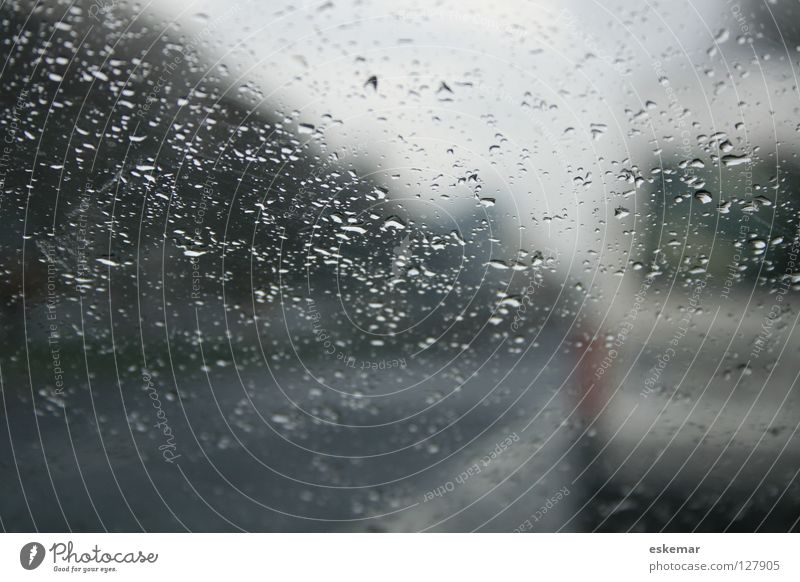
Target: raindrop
496,264
394,222
733,160
703,196
107,263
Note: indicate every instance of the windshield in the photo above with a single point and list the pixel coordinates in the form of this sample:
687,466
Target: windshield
379,266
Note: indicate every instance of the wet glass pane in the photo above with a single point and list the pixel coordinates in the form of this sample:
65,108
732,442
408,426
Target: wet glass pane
399,266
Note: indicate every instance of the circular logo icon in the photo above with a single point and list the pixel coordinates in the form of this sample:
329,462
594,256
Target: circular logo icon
31,555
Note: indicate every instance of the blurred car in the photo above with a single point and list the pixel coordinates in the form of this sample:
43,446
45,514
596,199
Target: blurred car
688,383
